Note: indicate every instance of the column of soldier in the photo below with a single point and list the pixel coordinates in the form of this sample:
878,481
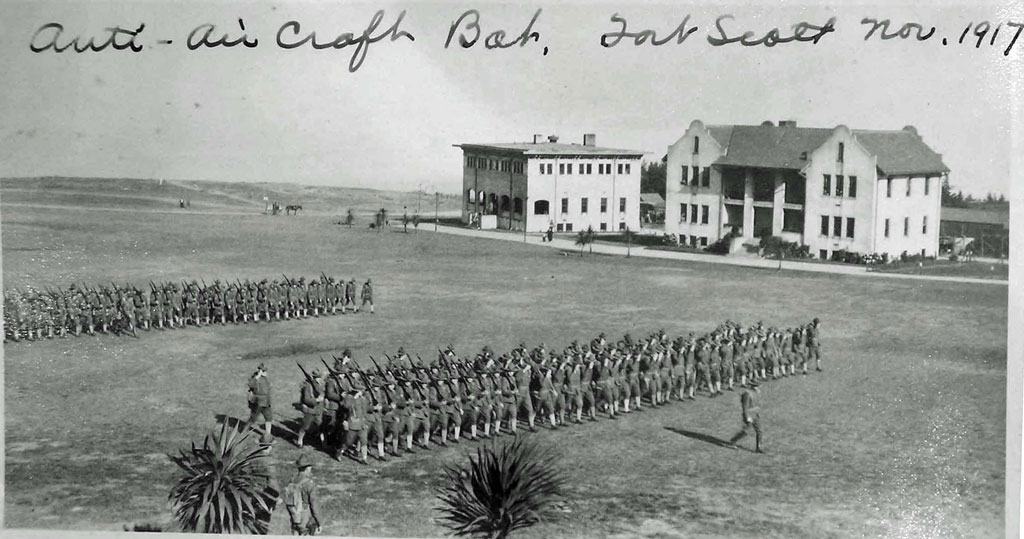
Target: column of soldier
401,398
122,309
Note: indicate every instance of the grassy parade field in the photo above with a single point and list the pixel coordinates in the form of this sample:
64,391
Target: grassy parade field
902,436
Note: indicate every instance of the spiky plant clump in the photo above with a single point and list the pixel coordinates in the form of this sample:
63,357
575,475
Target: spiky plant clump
226,488
501,490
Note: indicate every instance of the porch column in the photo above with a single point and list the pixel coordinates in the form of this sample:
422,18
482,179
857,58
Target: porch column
779,199
748,203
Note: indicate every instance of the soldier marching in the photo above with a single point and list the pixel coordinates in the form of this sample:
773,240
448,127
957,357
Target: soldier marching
124,308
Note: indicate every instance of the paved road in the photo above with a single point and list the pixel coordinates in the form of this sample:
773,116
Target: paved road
603,248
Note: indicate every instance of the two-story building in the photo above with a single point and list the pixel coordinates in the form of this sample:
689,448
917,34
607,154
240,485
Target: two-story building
546,183
830,189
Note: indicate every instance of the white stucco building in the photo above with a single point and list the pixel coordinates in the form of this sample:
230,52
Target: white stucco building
544,182
830,189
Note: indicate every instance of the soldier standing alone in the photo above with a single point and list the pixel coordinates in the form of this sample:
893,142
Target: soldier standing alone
259,400
367,295
751,417
300,499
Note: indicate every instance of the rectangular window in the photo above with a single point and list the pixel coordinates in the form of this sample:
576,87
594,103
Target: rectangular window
888,188
852,191
551,167
842,148
849,227
565,205
561,168
696,144
604,205
604,227
696,175
686,174
824,225
703,241
927,185
583,205
693,213
705,177
693,241
922,253
560,227
568,227
839,185
622,226
908,185
590,169
705,212
906,226
682,213
837,226
792,220
620,168
622,205
924,225
827,189
568,168
627,168
822,254
887,228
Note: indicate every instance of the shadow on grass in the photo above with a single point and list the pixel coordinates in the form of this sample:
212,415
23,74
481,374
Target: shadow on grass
287,430
700,436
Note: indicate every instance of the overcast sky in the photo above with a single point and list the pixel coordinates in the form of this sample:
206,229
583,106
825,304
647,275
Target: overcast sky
267,114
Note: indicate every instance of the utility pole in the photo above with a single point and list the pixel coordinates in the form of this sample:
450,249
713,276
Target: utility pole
437,205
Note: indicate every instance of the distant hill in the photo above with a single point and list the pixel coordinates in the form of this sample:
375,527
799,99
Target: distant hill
214,196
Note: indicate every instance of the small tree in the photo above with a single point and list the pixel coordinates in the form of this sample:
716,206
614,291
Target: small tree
629,240
581,239
501,490
226,487
416,221
349,218
591,236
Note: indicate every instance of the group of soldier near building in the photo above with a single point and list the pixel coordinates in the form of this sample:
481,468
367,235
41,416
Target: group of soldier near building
401,399
120,309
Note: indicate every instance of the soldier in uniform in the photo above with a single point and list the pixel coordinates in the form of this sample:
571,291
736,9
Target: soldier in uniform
357,430
728,368
350,295
312,401
751,417
259,401
332,417
367,296
814,343
300,497
524,401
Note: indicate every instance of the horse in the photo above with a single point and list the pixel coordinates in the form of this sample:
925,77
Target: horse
292,208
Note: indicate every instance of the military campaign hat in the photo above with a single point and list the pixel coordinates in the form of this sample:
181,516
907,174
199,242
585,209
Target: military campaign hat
261,367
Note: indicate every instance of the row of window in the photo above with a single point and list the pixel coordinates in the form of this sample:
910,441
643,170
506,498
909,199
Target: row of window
851,192
501,165
695,241
836,230
703,212
699,175
603,227
906,226
910,183
585,205
583,168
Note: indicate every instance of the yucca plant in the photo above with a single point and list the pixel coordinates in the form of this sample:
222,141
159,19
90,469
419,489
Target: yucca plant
226,487
501,490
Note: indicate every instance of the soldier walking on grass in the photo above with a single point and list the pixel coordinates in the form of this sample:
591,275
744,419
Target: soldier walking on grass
751,417
367,296
259,401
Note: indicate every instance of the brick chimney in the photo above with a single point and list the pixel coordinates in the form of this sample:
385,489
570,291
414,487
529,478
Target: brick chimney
537,139
589,139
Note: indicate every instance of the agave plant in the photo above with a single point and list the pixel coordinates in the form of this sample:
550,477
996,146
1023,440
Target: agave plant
225,487
501,490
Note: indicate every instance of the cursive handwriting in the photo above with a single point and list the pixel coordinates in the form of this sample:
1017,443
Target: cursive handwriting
494,40
53,31
361,42
907,30
206,41
773,37
612,39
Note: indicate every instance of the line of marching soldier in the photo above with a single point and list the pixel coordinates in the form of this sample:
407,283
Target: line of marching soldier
403,400
121,309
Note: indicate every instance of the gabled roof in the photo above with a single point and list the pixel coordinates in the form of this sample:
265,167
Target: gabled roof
654,199
975,215
551,148
786,147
